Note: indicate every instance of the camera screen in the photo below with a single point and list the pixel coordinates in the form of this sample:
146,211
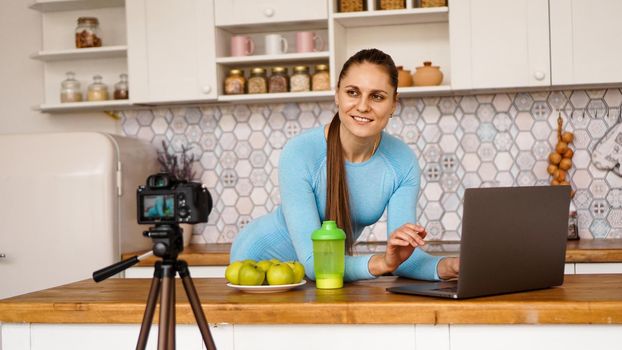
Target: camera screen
159,207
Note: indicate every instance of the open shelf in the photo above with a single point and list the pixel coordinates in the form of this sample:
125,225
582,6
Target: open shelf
78,54
269,59
71,5
85,106
423,90
392,17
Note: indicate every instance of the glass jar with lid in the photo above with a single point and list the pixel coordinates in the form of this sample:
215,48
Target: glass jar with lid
121,88
320,81
97,90
279,80
300,80
235,82
258,83
87,33
70,90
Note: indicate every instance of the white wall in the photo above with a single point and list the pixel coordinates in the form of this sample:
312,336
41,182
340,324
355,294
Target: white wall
21,79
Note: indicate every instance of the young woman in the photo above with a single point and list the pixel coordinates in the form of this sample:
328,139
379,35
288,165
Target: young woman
349,171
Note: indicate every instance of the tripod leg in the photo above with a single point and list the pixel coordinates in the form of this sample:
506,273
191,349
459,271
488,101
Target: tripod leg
165,300
172,320
150,308
195,303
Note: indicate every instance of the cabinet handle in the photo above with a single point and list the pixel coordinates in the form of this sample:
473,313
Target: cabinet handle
538,75
2,256
207,89
269,12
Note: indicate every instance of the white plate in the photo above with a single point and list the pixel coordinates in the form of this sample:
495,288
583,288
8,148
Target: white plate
266,289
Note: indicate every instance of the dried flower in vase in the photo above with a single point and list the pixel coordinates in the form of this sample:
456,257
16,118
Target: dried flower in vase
178,165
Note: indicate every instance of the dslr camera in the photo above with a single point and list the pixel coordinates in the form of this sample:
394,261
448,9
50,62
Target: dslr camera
167,200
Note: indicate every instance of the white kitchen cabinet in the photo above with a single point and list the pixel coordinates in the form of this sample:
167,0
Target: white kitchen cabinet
597,268
59,54
583,41
499,43
252,12
171,51
411,36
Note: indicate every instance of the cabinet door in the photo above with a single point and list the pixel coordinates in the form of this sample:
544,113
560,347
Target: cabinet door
499,43
171,50
238,12
584,37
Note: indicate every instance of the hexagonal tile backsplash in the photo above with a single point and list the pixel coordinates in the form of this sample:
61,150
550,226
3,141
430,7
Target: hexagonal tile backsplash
461,141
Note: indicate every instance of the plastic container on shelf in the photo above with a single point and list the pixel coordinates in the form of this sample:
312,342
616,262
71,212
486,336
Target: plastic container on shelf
97,91
121,89
279,80
300,80
258,83
70,89
87,33
320,81
235,83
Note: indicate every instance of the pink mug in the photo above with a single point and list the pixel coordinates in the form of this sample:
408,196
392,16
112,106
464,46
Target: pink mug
242,45
306,42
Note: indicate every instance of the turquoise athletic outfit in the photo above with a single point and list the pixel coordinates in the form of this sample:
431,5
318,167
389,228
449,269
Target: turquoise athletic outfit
388,180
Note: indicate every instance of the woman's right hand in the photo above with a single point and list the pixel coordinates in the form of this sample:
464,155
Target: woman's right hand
400,246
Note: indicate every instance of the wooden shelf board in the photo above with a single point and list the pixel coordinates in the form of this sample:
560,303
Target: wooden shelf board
85,106
392,17
78,54
423,90
70,5
288,57
278,97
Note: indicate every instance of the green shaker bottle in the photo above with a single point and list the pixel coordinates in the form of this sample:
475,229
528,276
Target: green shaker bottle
329,255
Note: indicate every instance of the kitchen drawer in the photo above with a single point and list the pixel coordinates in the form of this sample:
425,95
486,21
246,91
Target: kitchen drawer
241,12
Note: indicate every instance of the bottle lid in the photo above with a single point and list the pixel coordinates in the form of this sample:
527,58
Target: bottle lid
235,71
321,67
278,69
301,69
88,20
328,232
258,70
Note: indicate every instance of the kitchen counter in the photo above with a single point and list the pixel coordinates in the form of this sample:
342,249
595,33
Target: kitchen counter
583,299
581,251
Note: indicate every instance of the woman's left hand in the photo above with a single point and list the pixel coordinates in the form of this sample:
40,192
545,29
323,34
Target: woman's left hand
448,268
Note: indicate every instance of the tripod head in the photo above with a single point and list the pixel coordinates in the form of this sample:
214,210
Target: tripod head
168,242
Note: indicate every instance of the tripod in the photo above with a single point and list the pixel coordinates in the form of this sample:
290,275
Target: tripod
168,243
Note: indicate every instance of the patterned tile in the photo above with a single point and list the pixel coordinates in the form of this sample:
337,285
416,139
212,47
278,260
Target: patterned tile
463,142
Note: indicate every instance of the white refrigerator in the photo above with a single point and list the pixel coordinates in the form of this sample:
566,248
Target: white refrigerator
68,206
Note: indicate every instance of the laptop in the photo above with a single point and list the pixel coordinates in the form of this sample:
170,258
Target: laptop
513,239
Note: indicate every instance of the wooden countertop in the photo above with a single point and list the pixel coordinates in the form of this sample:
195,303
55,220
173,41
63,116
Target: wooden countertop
583,299
581,251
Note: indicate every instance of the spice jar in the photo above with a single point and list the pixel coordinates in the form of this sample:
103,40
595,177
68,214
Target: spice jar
320,80
258,83
300,80
70,89
235,82
87,33
279,80
97,91
121,89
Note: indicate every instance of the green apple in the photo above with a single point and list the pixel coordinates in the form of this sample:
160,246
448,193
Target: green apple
251,275
280,274
275,261
299,270
264,265
232,272
249,261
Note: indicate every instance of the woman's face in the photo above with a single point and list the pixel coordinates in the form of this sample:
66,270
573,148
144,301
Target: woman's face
365,99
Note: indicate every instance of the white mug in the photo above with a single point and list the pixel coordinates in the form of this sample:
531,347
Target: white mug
276,44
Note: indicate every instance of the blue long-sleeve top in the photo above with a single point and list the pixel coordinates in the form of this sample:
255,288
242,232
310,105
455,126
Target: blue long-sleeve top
388,180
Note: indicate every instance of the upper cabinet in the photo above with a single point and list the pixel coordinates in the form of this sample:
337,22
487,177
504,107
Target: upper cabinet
171,51
584,37
499,43
252,12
